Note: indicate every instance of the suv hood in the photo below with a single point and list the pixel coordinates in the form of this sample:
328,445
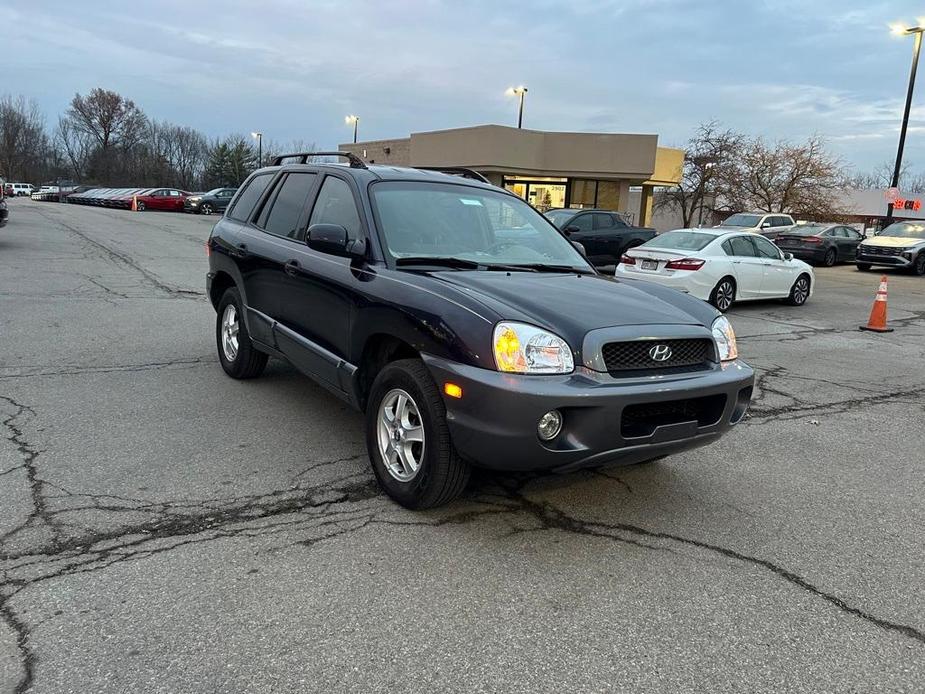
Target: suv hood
570,305
892,241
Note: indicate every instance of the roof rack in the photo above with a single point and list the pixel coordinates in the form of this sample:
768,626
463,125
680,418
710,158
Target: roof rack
456,171
303,157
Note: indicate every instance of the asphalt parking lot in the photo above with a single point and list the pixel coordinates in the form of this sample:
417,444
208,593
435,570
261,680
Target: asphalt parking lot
168,529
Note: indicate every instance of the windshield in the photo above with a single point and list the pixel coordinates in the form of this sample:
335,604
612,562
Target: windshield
907,230
680,241
742,220
444,220
560,217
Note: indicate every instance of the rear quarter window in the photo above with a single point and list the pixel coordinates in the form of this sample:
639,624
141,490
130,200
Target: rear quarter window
243,206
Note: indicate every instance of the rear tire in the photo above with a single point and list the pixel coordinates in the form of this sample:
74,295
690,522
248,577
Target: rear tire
863,267
412,455
799,292
140,206
237,354
723,294
831,257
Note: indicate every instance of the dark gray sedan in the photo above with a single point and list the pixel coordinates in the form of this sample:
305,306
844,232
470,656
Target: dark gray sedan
822,244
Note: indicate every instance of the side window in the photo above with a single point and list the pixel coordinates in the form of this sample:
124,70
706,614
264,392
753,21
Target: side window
741,246
853,234
582,222
288,204
247,199
840,232
602,221
174,193
335,205
766,249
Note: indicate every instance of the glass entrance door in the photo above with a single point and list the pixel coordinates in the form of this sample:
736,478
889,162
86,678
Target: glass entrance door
543,195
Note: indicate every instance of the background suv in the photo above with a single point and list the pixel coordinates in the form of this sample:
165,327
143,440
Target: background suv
769,225
899,245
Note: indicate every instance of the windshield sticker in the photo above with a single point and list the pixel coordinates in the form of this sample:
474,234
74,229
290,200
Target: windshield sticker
468,201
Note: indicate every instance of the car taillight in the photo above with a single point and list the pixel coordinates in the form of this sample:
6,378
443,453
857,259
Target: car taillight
812,239
685,264
627,259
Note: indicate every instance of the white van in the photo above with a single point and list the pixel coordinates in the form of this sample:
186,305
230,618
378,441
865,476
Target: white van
22,188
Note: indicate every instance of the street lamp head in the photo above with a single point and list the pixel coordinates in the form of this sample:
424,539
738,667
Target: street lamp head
900,29
256,135
351,119
515,91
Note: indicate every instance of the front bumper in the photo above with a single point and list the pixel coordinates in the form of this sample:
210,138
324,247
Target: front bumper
494,423
883,260
189,206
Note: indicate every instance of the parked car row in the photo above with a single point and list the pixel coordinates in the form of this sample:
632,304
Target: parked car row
169,199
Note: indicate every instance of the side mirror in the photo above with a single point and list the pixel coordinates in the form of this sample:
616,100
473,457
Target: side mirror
571,229
788,256
334,240
580,248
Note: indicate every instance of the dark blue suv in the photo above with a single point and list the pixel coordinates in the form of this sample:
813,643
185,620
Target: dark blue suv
464,324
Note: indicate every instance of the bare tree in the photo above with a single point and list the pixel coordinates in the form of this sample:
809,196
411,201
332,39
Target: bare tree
708,158
23,142
115,123
75,146
881,177
800,178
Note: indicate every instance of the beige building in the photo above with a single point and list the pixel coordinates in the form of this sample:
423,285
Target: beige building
549,169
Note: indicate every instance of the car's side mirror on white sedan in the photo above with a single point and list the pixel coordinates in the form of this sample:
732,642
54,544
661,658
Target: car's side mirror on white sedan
788,256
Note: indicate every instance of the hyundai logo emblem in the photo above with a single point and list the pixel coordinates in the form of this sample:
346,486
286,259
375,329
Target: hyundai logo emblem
660,353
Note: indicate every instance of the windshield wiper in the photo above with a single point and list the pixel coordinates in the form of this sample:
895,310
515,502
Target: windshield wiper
551,267
441,260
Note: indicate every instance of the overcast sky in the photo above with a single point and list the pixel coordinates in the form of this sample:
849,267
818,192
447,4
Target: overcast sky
295,68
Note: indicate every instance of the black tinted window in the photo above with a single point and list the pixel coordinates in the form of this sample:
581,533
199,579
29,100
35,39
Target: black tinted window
288,204
581,223
244,205
603,221
335,205
766,249
742,246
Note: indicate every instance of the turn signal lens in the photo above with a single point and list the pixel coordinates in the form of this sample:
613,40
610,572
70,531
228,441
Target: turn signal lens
685,264
453,390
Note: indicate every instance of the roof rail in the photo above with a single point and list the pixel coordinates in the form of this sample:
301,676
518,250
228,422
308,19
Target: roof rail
303,157
456,171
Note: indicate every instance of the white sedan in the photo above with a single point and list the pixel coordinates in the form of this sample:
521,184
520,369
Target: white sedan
720,267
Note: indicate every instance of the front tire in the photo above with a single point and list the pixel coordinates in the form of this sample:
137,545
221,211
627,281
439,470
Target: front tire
140,207
237,354
723,294
918,267
408,439
206,208
799,292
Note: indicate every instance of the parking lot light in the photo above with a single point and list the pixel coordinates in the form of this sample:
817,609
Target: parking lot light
259,138
916,31
355,121
518,91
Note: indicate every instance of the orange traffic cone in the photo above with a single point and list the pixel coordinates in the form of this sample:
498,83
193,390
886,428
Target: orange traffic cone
134,203
877,321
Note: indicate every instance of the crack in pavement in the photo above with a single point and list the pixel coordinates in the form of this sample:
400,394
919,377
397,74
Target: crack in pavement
123,259
760,416
76,370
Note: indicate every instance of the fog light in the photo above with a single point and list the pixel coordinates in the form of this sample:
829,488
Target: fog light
550,425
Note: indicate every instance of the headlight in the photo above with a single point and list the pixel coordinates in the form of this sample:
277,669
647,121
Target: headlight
194,199
526,349
725,338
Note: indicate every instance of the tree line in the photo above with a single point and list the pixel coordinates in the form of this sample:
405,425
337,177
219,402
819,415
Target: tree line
726,171
104,138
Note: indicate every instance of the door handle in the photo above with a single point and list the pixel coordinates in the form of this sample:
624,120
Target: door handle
241,251
292,268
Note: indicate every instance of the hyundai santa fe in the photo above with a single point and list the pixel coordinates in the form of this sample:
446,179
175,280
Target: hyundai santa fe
464,325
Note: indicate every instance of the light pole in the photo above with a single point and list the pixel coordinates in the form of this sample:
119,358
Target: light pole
259,138
520,91
916,48
355,121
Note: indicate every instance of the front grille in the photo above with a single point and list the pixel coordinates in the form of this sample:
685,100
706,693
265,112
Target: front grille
880,250
642,420
620,358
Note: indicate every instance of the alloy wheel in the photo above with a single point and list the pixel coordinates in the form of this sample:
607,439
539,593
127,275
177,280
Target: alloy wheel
206,209
400,433
800,291
830,257
725,293
230,328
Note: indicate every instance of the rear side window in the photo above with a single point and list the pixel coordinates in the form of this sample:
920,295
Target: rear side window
288,205
335,205
244,205
741,246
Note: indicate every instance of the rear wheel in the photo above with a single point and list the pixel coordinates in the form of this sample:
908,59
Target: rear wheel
799,292
723,294
831,256
408,439
140,206
236,352
863,267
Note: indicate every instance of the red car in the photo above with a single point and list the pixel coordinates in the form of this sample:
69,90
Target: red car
162,199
